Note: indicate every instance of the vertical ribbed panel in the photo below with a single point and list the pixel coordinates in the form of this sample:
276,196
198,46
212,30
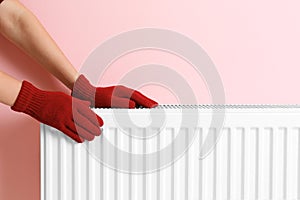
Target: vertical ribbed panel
256,157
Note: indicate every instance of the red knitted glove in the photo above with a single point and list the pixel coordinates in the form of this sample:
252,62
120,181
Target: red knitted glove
69,115
113,96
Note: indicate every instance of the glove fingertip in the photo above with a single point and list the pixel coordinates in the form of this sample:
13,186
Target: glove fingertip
153,104
79,139
149,103
131,104
98,133
91,138
100,121
143,100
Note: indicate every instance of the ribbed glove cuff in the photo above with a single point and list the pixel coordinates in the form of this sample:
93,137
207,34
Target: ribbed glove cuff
83,89
29,99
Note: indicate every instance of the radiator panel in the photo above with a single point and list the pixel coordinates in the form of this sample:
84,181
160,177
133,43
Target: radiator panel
256,157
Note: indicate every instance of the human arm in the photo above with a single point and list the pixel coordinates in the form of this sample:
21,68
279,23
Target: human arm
8,95
21,27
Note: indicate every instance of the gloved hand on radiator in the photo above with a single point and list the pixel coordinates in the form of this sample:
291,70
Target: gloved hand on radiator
70,115
114,96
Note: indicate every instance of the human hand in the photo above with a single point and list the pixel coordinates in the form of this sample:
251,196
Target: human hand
114,96
70,115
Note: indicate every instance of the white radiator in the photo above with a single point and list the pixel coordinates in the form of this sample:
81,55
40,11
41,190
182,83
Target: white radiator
163,156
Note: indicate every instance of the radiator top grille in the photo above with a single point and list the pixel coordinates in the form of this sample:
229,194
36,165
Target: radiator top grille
222,106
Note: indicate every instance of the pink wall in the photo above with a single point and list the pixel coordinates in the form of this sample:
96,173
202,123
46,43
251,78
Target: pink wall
253,44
